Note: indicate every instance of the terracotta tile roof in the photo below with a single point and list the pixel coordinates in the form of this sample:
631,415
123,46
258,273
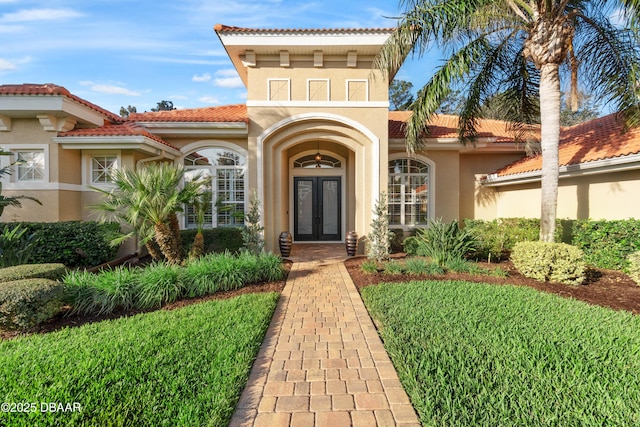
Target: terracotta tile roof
220,28
446,126
598,139
120,129
222,114
50,89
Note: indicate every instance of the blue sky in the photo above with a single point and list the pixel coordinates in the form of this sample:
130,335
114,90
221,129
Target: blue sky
138,52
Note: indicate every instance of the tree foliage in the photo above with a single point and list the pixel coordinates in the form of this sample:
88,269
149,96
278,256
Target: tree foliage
164,106
520,50
400,96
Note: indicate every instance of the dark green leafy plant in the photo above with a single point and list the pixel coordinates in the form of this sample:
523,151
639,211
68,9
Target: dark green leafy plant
607,244
216,240
16,245
72,243
444,242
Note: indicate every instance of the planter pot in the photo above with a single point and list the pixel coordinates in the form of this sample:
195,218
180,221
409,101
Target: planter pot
285,243
351,243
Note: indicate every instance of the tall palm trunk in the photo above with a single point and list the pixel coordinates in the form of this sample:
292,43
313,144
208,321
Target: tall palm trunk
550,135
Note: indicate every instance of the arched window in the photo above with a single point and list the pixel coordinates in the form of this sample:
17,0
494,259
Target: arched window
408,192
227,189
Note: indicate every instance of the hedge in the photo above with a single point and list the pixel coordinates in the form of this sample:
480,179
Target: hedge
605,243
29,302
215,239
72,243
33,271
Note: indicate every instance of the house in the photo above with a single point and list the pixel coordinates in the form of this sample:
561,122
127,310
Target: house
315,141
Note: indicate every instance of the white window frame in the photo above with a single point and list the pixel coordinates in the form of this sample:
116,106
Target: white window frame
328,81
213,173
87,167
431,196
366,85
12,180
288,90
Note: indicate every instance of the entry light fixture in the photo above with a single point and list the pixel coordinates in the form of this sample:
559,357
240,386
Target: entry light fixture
318,156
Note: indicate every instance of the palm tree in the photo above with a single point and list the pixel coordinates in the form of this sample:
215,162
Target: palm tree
148,199
520,48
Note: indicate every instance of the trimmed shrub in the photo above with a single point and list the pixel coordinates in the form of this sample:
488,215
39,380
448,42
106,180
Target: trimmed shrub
50,271
216,240
545,261
634,266
607,244
443,242
72,243
29,302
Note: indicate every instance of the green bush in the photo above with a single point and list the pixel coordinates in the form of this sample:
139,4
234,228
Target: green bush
545,261
51,271
158,284
72,243
216,240
16,245
29,302
634,266
369,267
607,244
392,267
444,242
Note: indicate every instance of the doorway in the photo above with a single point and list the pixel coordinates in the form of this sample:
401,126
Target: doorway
317,208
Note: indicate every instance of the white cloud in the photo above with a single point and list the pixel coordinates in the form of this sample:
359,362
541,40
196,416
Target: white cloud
11,28
228,82
6,65
109,89
179,97
209,100
228,72
27,15
202,78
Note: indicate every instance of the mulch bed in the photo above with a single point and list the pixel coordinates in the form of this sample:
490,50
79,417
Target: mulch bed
63,321
607,288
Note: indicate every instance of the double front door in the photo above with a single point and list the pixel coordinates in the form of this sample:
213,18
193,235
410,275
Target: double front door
317,202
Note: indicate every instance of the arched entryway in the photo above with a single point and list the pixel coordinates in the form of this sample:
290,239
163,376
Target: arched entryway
320,203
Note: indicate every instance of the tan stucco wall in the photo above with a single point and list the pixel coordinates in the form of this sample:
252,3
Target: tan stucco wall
604,196
475,201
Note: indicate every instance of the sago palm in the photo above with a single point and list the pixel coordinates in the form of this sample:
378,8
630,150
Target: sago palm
148,199
521,50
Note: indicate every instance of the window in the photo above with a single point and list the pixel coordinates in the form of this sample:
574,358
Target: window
279,90
318,90
408,192
226,190
102,168
312,161
30,165
357,90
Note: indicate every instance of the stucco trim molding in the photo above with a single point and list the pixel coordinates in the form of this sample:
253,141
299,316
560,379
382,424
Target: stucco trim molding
616,164
320,104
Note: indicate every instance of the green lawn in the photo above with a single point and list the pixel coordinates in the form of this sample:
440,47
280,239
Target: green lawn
185,367
485,355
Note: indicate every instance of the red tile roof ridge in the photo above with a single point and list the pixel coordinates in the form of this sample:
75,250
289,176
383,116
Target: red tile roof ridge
222,114
221,28
128,128
50,89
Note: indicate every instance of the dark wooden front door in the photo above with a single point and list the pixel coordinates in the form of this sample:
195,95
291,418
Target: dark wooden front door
317,203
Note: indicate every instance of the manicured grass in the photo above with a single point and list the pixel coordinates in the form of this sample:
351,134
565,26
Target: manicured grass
475,354
185,367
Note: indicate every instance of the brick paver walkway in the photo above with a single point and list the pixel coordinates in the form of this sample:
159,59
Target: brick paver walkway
322,362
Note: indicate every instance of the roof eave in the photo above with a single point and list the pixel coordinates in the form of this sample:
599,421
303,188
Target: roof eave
595,167
230,129
138,143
